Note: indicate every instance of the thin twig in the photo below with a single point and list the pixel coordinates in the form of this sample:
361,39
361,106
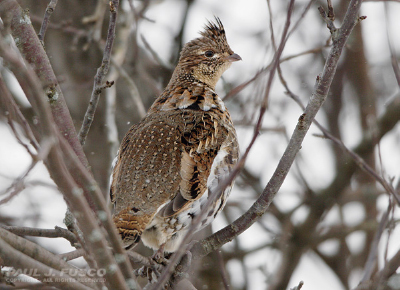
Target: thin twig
156,57
18,137
271,26
19,184
299,286
242,86
221,266
302,16
13,190
13,112
390,268
66,28
393,58
96,19
310,51
372,256
49,10
101,72
365,167
134,91
117,59
111,124
329,18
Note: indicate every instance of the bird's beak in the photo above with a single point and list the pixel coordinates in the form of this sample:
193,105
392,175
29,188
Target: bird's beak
234,57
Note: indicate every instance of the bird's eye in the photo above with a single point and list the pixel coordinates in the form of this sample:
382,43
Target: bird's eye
209,53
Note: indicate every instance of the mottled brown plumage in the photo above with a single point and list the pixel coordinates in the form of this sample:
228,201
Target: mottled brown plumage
182,149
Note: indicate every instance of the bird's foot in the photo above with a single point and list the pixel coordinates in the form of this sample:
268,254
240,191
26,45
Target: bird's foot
152,271
160,257
155,265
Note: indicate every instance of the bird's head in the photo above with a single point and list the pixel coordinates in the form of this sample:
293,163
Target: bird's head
208,56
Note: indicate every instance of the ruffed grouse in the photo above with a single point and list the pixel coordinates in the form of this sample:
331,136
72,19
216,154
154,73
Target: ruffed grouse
169,162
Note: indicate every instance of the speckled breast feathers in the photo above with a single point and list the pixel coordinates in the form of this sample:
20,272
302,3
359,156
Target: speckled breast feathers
184,147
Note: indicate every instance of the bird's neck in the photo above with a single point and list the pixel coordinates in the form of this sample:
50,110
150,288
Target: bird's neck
185,91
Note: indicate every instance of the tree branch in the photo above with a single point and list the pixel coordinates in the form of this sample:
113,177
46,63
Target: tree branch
24,254
318,97
372,256
32,50
57,232
101,73
94,235
46,19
